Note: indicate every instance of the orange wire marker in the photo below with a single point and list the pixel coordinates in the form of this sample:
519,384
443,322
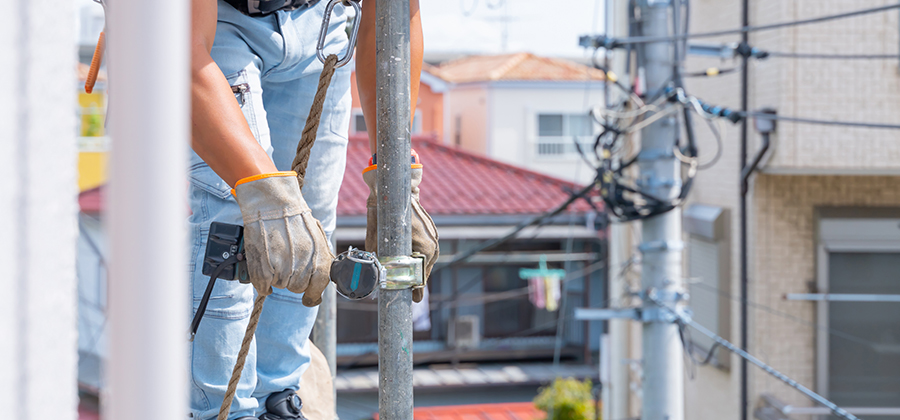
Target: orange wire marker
95,64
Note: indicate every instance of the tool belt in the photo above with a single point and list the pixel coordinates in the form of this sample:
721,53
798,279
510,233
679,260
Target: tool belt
265,7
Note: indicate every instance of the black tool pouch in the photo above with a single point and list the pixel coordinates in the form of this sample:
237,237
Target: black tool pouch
265,7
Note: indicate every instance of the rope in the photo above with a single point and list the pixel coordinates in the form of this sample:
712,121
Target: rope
242,357
312,122
300,161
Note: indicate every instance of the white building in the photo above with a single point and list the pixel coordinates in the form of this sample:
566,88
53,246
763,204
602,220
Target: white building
522,109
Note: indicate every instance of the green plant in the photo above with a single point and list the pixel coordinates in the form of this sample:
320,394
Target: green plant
566,399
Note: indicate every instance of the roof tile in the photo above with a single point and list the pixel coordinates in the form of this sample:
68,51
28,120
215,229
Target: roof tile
460,183
509,67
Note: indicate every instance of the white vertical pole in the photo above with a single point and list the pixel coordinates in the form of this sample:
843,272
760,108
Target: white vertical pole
38,210
663,363
149,293
616,397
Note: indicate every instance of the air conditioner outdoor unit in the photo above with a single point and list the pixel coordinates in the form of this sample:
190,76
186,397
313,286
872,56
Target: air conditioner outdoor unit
464,332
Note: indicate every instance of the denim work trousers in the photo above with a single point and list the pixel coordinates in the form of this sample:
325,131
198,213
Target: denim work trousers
271,65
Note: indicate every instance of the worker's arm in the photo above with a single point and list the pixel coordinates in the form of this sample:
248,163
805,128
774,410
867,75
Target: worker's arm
219,132
285,247
365,63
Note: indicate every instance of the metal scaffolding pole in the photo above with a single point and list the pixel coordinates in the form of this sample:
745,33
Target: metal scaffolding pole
395,390
663,392
325,332
150,128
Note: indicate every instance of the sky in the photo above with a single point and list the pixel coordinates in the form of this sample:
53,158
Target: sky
544,27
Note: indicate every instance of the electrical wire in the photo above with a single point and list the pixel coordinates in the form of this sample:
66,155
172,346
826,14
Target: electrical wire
709,111
750,358
779,54
712,72
467,12
800,120
612,42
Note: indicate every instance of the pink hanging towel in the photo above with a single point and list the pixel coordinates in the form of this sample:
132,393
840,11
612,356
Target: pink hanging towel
536,292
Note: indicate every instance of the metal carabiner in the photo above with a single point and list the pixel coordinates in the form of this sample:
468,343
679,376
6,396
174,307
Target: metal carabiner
354,33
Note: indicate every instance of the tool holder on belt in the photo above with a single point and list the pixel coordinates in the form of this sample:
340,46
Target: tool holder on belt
304,147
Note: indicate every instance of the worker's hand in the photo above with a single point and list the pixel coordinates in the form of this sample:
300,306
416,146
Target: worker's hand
285,246
424,233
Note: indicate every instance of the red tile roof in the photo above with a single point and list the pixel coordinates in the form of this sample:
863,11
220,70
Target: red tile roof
499,411
509,67
92,200
461,183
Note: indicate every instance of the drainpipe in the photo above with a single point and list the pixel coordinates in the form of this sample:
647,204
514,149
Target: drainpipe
745,78
765,127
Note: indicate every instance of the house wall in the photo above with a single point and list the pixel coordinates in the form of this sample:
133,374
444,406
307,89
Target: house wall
783,261
469,103
430,106
38,204
781,221
848,90
513,131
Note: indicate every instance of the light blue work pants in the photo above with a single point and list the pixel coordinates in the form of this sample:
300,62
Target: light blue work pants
271,61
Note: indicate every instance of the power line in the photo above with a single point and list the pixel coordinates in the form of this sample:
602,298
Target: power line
604,41
704,108
779,54
801,120
681,319
789,317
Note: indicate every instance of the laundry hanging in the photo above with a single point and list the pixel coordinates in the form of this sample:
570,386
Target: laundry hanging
544,285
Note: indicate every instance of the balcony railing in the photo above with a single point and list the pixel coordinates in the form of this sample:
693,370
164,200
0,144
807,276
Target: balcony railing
562,146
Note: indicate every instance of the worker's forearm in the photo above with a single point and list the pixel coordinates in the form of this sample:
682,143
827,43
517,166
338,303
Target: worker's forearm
365,63
220,134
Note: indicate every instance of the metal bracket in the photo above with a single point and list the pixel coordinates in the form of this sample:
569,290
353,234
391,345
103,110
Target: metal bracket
842,297
403,272
661,246
595,314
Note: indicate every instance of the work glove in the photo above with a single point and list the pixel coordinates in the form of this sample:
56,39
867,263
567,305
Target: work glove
424,233
284,245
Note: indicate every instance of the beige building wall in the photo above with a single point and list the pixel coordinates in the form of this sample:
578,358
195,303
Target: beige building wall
513,131
782,207
783,261
466,108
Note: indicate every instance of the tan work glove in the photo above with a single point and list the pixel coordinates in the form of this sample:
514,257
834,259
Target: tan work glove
424,233
285,246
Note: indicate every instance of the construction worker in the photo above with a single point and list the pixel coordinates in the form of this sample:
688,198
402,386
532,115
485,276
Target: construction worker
254,75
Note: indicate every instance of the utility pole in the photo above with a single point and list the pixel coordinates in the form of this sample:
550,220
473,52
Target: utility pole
392,58
661,247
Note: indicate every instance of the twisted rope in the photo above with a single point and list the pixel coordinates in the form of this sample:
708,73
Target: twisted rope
301,159
312,122
242,357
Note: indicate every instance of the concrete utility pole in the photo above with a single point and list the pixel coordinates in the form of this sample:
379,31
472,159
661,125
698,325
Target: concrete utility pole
661,247
621,247
395,387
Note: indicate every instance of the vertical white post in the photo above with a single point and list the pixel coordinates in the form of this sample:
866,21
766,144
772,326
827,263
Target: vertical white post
616,395
663,354
38,212
149,293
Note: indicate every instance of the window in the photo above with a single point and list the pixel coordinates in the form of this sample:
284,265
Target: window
558,132
358,122
708,276
457,130
858,262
